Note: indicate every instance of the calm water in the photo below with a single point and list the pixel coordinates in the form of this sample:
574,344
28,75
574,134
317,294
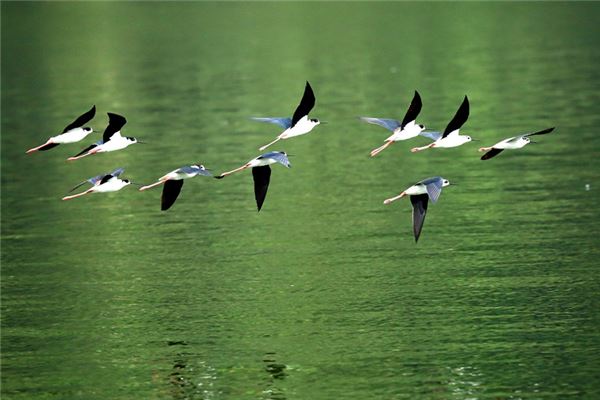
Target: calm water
323,294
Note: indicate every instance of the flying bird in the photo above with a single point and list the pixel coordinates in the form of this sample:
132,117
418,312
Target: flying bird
74,132
103,183
299,124
404,130
261,172
173,182
420,193
111,139
515,142
450,137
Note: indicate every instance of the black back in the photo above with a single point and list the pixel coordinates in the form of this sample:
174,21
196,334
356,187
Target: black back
91,146
81,120
48,146
105,179
541,132
306,104
262,176
115,123
459,118
492,153
170,192
413,110
419,204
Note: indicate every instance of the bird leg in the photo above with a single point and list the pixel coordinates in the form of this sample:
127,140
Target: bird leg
78,194
415,149
388,201
268,144
160,182
485,148
378,150
224,174
89,153
39,147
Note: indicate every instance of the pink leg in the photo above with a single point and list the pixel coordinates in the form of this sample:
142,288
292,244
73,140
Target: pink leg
415,149
378,150
388,201
485,148
37,148
154,184
224,174
89,153
78,194
268,144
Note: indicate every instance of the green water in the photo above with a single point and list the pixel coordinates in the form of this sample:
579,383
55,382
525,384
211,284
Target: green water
323,294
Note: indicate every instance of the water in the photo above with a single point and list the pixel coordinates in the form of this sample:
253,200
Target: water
323,294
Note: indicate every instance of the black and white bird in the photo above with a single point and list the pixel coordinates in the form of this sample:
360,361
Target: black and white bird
111,139
74,132
404,130
515,142
103,183
173,182
420,193
450,137
299,124
261,172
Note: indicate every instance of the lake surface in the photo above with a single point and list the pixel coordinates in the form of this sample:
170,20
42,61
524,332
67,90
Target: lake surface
324,293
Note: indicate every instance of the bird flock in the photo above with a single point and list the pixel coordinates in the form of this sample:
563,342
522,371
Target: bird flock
299,124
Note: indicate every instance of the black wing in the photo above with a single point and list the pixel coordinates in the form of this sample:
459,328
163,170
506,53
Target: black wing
419,204
170,192
85,150
459,118
262,176
115,123
540,132
105,179
81,120
413,110
306,104
493,152
48,146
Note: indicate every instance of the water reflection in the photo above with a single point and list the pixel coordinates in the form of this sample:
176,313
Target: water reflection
189,378
276,372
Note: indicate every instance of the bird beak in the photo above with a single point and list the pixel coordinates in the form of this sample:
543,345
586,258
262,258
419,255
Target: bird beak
323,122
142,142
531,141
474,140
136,184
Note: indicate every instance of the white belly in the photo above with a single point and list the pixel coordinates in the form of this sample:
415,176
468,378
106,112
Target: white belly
113,145
416,189
302,127
409,132
111,186
506,144
72,136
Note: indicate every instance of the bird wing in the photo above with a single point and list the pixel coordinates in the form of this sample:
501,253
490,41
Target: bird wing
48,146
115,123
262,176
389,124
542,132
434,187
431,135
459,118
492,153
413,110
306,104
284,122
81,120
419,206
170,192
91,146
99,178
277,156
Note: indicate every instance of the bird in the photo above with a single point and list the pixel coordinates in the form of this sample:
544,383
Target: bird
173,182
420,193
515,142
261,172
404,130
74,132
299,124
450,137
102,183
111,139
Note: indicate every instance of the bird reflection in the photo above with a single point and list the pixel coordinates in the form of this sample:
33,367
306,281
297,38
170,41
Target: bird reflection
276,373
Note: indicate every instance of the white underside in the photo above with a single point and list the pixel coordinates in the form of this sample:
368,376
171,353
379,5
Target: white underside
72,136
112,185
506,144
302,127
452,140
410,131
416,189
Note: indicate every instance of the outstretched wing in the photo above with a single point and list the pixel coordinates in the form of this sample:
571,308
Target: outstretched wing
115,123
542,132
262,177
170,192
81,120
492,153
91,146
277,156
431,135
413,110
459,118
389,124
306,104
283,121
419,205
434,187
